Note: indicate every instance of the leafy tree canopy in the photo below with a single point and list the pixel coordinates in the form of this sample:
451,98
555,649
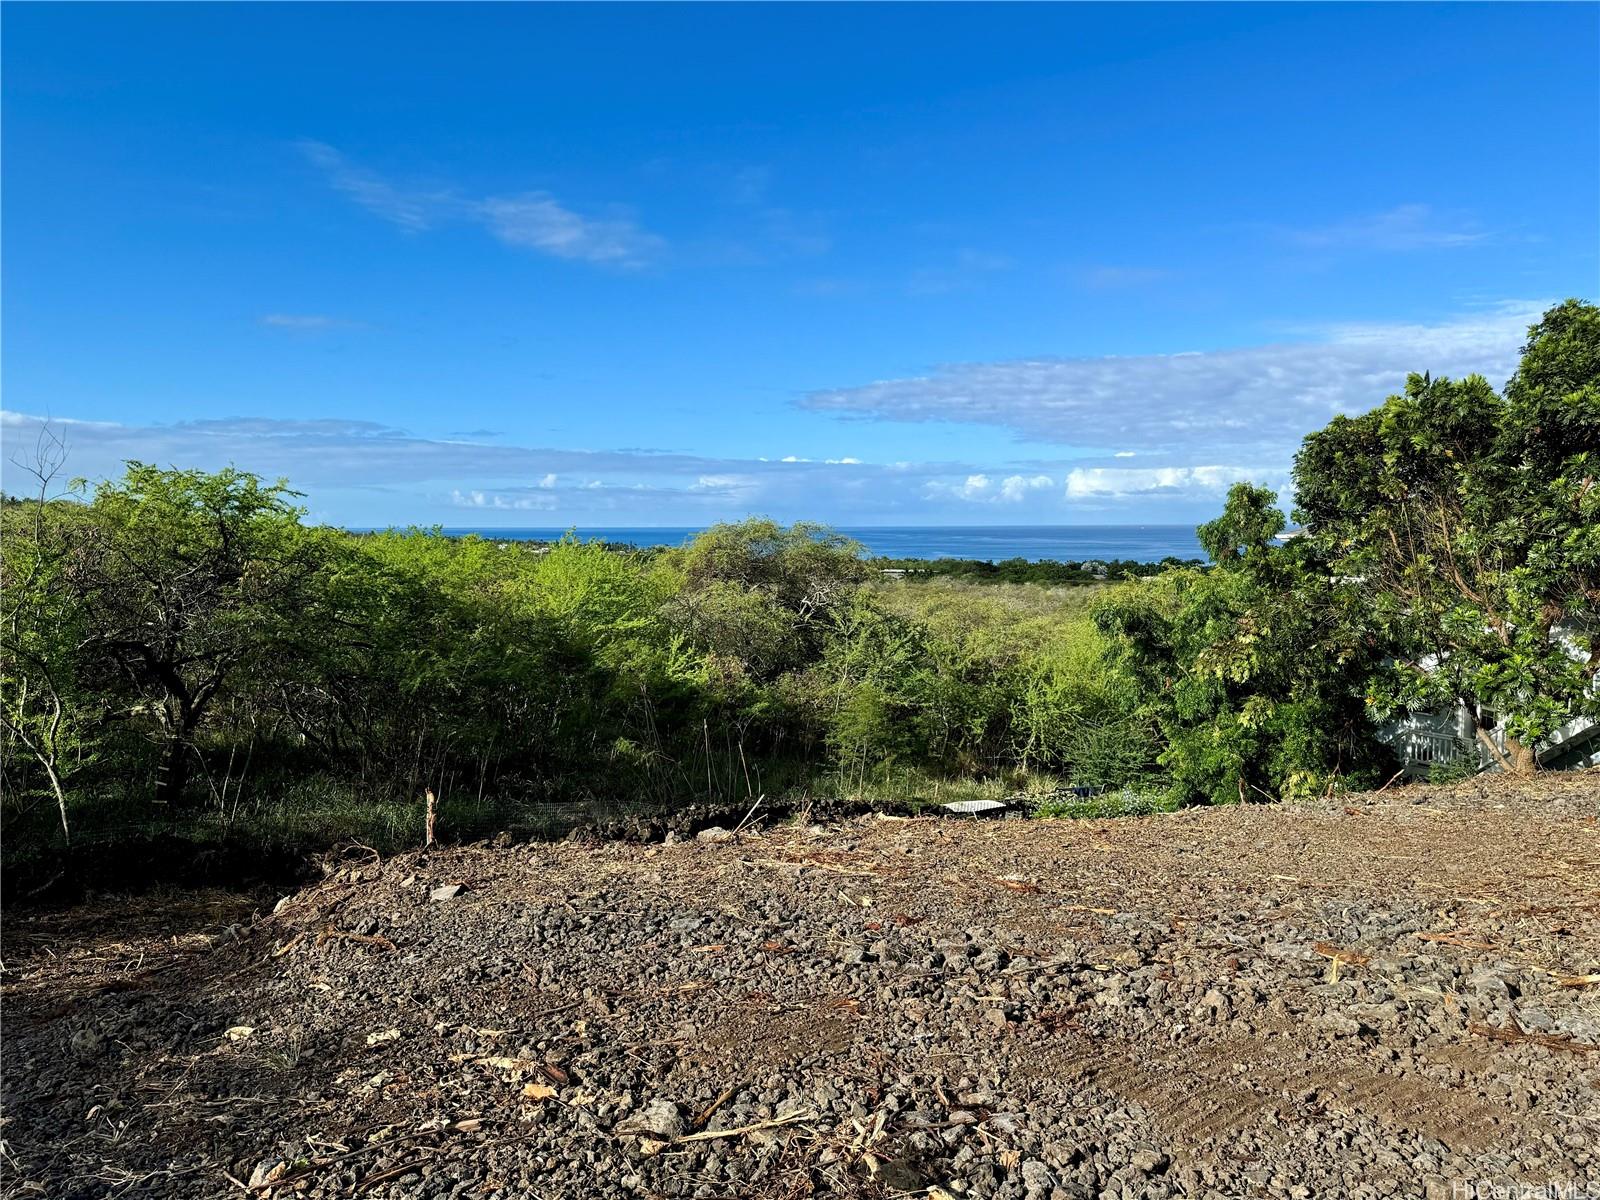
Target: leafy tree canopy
1469,523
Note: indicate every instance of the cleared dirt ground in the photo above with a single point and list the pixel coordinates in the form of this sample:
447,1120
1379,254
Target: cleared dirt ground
1390,995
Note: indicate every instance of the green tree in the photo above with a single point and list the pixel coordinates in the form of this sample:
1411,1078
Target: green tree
187,579
46,712
1469,523
1253,669
761,598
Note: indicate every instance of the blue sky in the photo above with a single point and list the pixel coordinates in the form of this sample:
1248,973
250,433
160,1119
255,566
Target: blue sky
519,265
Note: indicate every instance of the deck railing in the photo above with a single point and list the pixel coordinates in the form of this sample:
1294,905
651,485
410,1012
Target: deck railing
1424,748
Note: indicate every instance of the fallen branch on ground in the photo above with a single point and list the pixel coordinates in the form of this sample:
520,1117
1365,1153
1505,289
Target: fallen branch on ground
1516,1033
740,1131
341,935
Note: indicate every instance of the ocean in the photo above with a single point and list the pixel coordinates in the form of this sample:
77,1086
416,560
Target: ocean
1054,543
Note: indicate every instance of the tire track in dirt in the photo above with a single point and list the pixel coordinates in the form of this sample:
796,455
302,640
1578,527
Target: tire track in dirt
1200,1093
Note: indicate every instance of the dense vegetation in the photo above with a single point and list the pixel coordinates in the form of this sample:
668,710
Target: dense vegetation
181,652
1026,570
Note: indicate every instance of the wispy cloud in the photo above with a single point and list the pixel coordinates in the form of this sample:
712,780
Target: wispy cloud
1252,404
749,184
966,270
538,222
794,235
534,221
309,322
336,451
1402,228
828,286
410,211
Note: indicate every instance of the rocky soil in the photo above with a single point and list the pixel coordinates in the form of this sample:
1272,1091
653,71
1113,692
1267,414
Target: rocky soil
1389,995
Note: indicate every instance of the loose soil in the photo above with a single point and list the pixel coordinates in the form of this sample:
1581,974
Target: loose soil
1387,995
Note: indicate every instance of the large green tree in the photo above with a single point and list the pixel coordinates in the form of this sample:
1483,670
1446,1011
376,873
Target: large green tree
760,598
186,580
1468,522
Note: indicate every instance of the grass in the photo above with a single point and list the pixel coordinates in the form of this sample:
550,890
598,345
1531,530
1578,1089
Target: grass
1016,601
119,841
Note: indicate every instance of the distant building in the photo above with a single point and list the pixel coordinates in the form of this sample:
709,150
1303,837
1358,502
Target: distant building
1424,740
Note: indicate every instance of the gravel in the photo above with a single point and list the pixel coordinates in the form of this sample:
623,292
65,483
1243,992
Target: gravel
1370,997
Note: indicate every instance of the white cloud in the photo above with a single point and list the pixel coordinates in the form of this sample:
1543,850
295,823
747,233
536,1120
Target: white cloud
1184,482
518,502
984,489
537,222
534,221
1256,399
1016,487
1404,227
726,484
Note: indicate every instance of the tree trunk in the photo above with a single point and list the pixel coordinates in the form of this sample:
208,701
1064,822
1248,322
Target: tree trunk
61,801
1524,760
1515,759
173,774
1486,739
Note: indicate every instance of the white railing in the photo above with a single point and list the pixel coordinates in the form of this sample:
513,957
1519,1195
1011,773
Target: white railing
1428,748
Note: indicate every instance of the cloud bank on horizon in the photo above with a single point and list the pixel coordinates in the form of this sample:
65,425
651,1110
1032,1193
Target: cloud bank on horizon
1194,423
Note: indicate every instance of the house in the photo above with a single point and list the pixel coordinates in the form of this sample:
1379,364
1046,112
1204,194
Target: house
1425,740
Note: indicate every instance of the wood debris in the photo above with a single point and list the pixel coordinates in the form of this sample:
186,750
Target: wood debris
1514,1033
783,1119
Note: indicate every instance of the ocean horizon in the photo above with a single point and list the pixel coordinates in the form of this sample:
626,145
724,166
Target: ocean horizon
994,543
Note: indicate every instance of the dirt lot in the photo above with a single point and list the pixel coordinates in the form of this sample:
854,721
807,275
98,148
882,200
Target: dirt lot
1384,996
